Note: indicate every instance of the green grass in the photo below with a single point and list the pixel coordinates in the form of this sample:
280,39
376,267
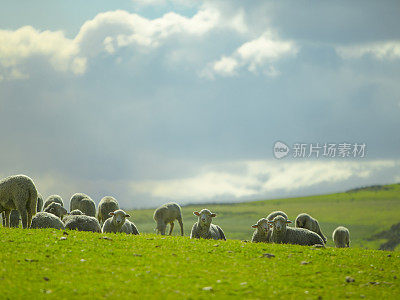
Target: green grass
40,264
364,212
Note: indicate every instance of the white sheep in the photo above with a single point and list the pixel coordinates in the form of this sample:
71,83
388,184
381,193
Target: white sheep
119,223
82,223
46,220
282,234
262,233
341,237
167,214
84,203
306,221
18,192
203,227
53,198
106,205
56,209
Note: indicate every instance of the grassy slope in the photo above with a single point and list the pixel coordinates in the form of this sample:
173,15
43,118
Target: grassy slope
363,212
38,264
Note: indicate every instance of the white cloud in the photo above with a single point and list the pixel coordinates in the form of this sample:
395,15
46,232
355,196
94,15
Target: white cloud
380,50
255,54
26,42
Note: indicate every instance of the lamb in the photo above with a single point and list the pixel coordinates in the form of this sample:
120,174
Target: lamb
262,233
165,214
56,209
107,204
46,220
18,192
282,234
119,223
306,221
53,198
82,223
84,203
341,237
203,227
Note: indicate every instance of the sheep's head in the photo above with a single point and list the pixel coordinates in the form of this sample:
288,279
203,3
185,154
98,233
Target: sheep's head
118,217
301,220
160,229
56,209
205,217
279,223
262,225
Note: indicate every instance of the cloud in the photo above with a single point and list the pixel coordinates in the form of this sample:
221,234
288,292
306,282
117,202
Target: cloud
17,47
380,50
255,55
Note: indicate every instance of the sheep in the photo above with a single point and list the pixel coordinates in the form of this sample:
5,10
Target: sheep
84,203
82,223
165,214
56,209
46,220
18,192
119,223
282,234
341,237
262,233
71,214
106,205
53,198
272,215
203,227
306,221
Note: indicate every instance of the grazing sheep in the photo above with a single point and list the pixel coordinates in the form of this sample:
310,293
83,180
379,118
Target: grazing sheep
53,198
84,203
82,223
56,209
203,227
341,237
262,233
274,214
119,223
18,192
167,214
282,234
46,220
306,221
106,205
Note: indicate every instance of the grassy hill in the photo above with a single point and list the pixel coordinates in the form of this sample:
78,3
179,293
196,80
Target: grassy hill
52,264
364,211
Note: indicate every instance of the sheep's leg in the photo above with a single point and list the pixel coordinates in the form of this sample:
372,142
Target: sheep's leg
24,217
171,226
3,217
181,225
7,214
29,219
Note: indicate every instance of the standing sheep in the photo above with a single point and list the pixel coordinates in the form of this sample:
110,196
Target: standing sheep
84,203
282,234
341,237
106,205
306,221
167,214
82,223
46,220
18,192
119,223
262,233
53,198
203,227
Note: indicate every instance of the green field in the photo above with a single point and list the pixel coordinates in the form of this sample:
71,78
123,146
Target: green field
364,213
50,264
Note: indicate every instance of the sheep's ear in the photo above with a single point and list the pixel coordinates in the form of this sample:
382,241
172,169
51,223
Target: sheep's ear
111,213
127,216
254,226
213,215
288,222
196,213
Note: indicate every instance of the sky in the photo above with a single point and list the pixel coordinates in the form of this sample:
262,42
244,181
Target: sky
172,100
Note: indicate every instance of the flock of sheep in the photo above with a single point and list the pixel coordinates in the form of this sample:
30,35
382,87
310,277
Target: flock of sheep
19,199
